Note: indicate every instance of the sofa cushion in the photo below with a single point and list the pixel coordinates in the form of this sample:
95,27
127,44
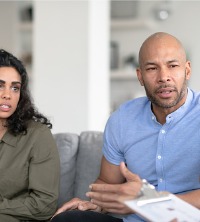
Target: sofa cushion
88,161
67,144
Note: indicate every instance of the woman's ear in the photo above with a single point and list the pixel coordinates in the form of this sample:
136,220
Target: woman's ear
139,76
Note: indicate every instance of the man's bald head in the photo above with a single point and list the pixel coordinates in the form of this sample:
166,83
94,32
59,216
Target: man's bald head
157,40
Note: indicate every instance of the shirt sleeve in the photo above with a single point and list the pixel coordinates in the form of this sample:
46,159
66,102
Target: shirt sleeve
112,140
40,201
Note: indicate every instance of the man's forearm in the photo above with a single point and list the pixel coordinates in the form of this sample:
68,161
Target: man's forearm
99,181
192,197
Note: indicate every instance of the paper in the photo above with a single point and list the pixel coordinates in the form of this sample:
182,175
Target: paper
174,210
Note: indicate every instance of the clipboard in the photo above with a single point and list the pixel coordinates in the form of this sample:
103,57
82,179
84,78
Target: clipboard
156,206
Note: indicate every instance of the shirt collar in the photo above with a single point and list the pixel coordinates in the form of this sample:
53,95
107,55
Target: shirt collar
181,110
9,139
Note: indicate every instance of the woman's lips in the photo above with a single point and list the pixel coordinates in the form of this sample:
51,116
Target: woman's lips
5,107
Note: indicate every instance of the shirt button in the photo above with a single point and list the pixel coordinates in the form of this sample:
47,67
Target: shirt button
159,157
162,131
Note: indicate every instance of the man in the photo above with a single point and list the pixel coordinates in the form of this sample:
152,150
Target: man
158,137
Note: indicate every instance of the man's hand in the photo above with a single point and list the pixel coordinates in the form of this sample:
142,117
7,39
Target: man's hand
79,204
107,196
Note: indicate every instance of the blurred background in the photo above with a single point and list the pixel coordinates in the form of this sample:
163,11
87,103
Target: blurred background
81,56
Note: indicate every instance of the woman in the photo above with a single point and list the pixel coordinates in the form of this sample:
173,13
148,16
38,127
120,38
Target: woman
29,161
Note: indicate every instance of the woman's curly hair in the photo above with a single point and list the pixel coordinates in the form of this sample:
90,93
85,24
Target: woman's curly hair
17,123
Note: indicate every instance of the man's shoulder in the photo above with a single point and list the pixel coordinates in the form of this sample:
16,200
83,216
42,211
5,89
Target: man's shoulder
194,97
132,108
137,103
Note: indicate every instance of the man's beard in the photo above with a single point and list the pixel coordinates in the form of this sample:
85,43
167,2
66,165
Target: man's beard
171,104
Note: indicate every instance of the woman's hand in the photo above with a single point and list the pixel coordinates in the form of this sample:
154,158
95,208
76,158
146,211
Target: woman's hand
78,204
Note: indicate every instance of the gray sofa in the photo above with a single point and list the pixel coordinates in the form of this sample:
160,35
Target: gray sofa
80,158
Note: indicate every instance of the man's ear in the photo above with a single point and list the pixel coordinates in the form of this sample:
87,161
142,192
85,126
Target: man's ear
188,70
139,76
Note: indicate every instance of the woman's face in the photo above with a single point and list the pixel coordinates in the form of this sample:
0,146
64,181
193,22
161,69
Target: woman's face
10,85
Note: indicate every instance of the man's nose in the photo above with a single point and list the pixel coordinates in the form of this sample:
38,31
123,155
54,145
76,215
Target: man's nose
164,75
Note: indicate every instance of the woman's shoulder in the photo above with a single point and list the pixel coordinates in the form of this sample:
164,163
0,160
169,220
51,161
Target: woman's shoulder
36,126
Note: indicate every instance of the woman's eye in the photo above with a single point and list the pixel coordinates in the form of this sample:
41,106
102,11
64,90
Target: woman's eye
15,88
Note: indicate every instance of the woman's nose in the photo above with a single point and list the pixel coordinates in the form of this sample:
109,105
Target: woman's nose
5,94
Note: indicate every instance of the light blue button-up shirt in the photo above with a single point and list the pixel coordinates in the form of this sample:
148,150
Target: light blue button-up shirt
167,156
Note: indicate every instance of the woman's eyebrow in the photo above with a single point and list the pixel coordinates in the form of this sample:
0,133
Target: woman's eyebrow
13,83
16,82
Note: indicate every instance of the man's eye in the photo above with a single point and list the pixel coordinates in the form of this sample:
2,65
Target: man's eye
151,68
173,66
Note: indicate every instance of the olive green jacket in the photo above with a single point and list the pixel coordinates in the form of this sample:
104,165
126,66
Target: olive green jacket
29,175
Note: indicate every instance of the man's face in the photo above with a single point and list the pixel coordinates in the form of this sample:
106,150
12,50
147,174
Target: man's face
164,74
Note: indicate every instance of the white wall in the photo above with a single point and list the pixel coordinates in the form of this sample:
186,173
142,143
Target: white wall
71,64
98,85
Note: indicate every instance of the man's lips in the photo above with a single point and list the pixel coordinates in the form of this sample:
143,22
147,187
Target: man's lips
165,92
